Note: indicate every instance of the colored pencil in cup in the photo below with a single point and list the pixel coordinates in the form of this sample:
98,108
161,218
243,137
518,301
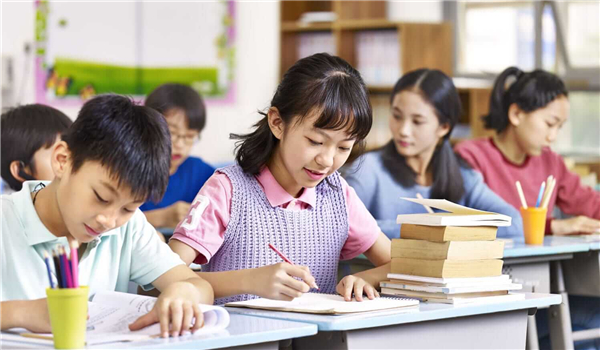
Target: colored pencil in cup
549,191
539,198
47,262
75,264
286,260
66,269
59,271
521,195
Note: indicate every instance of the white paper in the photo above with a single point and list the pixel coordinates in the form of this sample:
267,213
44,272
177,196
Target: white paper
326,303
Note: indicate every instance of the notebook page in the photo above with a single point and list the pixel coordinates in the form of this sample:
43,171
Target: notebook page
326,304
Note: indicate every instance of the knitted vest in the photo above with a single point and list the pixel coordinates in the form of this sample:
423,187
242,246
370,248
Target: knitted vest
312,237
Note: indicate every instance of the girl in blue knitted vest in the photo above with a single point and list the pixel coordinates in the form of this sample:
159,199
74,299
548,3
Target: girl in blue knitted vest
285,190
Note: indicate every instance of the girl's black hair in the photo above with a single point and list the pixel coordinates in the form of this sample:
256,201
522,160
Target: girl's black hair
530,91
319,83
178,96
25,130
438,90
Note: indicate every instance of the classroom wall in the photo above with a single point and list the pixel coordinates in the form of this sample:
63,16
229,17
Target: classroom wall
257,67
256,72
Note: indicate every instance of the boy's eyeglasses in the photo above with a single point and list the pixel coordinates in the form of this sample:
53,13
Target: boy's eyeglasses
187,139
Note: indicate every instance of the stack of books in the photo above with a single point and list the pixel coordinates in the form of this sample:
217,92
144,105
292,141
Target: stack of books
450,257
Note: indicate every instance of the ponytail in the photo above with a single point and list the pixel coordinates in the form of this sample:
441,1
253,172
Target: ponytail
253,150
497,118
530,91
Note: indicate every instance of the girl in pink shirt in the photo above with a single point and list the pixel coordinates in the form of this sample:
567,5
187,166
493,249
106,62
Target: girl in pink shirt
527,117
285,190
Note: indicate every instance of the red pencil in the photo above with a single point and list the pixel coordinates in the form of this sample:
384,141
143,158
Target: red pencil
281,254
287,260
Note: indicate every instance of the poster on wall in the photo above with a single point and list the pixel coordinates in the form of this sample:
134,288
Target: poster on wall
90,48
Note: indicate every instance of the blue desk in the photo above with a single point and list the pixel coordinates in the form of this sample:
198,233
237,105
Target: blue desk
431,326
244,332
533,267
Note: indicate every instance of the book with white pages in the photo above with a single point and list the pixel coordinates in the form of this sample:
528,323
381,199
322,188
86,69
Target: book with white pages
476,300
110,314
455,215
453,290
451,281
328,304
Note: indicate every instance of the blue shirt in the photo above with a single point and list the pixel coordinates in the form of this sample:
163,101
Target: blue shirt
381,194
132,252
185,184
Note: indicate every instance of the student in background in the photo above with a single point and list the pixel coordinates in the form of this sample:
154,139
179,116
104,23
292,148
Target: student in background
28,136
419,158
527,117
185,113
285,190
114,157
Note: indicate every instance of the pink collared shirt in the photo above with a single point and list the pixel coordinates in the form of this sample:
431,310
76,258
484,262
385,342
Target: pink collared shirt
204,227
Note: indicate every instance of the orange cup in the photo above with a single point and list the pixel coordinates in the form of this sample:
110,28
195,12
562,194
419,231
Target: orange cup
534,225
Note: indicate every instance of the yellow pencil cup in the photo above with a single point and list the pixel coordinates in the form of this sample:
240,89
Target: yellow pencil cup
68,308
534,225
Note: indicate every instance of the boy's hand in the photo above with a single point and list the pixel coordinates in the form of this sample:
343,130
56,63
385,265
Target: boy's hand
357,285
33,315
175,309
175,213
576,225
278,282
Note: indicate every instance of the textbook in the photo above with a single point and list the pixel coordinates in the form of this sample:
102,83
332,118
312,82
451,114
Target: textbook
456,215
452,289
111,313
453,250
428,295
449,282
447,268
472,300
328,304
448,233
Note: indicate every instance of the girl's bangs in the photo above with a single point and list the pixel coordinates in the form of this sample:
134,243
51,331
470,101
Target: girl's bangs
343,106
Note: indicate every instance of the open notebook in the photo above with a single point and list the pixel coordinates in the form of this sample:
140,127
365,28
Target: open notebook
112,312
457,215
329,304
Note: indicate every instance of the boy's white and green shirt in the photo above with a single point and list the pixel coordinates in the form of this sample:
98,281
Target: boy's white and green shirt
132,252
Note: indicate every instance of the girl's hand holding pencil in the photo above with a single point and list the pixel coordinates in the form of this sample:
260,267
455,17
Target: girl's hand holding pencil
278,282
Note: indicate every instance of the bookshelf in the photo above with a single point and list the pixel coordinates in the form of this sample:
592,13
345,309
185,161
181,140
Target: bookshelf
355,24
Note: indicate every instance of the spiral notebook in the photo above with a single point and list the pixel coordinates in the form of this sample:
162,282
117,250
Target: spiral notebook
328,304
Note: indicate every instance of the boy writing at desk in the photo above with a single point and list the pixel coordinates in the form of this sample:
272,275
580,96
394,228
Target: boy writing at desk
114,157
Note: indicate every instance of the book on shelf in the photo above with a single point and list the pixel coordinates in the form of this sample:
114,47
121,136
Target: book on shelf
454,250
329,304
455,215
448,233
447,268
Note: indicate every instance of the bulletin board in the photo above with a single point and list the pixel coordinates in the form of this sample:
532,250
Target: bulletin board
130,48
